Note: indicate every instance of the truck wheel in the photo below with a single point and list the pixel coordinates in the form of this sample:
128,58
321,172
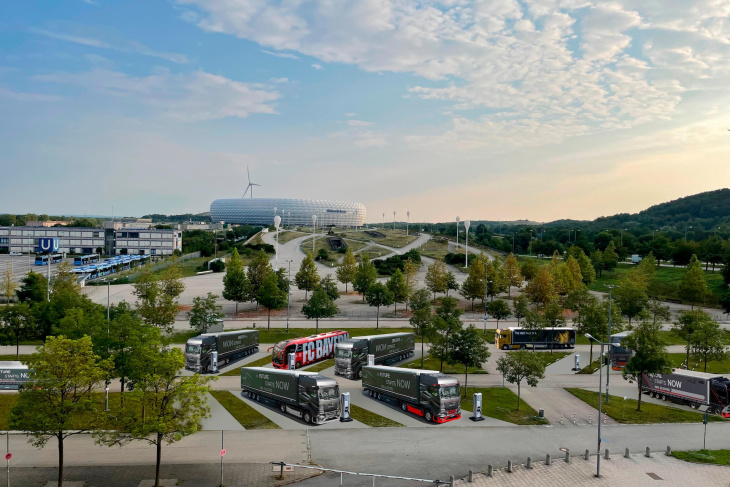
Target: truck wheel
359,374
380,398
297,365
404,406
282,406
307,417
427,415
504,347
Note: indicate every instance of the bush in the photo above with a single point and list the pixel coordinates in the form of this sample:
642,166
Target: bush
252,248
322,255
457,259
387,267
217,266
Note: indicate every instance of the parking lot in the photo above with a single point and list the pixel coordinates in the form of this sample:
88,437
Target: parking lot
21,264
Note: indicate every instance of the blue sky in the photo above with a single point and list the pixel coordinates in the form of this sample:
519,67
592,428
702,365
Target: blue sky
495,109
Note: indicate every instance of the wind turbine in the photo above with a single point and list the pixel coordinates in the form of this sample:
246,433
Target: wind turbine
250,184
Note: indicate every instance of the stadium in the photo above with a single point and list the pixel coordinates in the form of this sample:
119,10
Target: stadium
261,211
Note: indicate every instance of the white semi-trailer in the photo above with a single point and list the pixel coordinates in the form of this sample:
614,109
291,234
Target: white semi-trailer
694,389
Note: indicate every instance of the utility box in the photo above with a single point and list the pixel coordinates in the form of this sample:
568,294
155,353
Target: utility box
477,407
577,362
345,407
371,360
214,361
292,361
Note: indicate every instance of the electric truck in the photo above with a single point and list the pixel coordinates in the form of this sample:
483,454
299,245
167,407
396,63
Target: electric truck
692,388
352,354
199,350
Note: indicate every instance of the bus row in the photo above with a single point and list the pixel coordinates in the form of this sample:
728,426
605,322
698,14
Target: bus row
42,259
111,266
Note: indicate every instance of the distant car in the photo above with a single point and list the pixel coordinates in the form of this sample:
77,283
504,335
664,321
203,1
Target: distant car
15,253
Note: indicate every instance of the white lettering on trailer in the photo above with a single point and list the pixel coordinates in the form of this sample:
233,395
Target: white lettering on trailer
318,349
675,383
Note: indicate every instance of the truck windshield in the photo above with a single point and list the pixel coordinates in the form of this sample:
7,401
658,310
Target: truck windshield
329,392
344,353
193,349
450,391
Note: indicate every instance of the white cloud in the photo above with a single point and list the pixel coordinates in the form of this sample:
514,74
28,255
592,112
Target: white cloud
193,96
280,54
129,47
359,123
91,2
27,97
317,66
279,80
350,114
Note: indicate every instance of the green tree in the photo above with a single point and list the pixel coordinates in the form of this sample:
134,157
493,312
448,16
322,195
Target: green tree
687,324
541,289
307,278
650,354
157,296
366,276
529,269
8,285
421,320
709,341
521,365
451,284
204,313
693,288
348,270
378,295
598,262
631,298
436,278
499,310
33,288
513,273
474,285
319,306
446,322
497,281
713,250
16,323
658,311
410,269
647,268
63,375
469,349
271,296
593,320
586,268
398,287
330,287
257,271
164,408
610,257
520,308
235,282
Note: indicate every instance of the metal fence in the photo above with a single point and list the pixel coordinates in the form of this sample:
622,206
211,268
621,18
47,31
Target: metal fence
359,474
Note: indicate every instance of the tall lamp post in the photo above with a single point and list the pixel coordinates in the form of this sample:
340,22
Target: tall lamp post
408,221
393,219
277,222
314,231
600,381
457,231
288,294
608,367
467,224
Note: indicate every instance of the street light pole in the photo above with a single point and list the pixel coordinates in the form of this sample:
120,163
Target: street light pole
393,219
608,365
288,294
600,382
457,231
314,231
408,221
277,222
467,224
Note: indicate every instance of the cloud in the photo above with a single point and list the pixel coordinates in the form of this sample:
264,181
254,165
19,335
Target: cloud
129,47
279,80
193,96
285,55
359,123
28,97
350,114
317,66
91,2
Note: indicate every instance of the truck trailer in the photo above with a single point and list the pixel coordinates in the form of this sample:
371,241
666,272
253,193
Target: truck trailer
550,337
199,350
352,354
427,393
13,375
314,397
695,389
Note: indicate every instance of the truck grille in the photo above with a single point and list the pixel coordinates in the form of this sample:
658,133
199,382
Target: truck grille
451,412
331,407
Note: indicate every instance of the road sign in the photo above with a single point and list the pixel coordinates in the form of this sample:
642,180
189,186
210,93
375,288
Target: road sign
48,245
8,456
223,452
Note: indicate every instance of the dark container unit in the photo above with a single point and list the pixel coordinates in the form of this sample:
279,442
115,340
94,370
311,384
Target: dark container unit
427,393
229,345
694,389
351,355
314,397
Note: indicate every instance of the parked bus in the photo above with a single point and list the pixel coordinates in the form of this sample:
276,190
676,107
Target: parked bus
308,350
518,337
86,259
42,259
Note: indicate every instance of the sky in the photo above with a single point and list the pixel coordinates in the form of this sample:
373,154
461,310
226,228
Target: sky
482,109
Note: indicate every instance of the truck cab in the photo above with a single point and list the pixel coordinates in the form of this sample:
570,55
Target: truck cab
281,351
443,395
349,359
198,353
321,396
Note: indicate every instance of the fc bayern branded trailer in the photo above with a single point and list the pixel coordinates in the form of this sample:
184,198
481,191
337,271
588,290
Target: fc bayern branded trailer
351,355
692,388
427,393
13,375
312,396
199,350
307,350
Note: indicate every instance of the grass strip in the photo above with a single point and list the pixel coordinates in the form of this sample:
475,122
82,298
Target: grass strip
696,363
649,414
550,358
7,401
320,366
501,403
432,363
715,457
371,419
244,414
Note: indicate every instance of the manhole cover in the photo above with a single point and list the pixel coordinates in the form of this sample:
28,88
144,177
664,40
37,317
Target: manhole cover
654,476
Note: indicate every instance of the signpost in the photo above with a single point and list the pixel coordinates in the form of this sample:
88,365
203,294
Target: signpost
49,246
223,453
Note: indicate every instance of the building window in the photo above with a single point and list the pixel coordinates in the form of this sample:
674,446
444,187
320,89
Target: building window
153,251
133,234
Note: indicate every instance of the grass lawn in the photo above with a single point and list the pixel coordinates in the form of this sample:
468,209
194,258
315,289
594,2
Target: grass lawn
717,457
371,419
550,358
394,238
11,358
432,363
7,401
320,366
244,414
501,403
696,363
289,235
374,252
256,363
434,249
321,243
590,368
650,413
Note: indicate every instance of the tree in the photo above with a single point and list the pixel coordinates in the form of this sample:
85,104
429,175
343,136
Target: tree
586,268
593,320
541,289
157,296
33,288
693,287
398,287
709,341
378,295
469,349
529,269
688,322
8,285
16,323
319,306
63,374
271,296
474,285
713,251
421,320
521,365
521,307
631,298
257,271
513,274
307,278
658,311
204,313
650,354
451,284
436,278
165,407
496,278
598,262
499,310
329,286
410,269
445,322
235,282
348,270
610,257
365,277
